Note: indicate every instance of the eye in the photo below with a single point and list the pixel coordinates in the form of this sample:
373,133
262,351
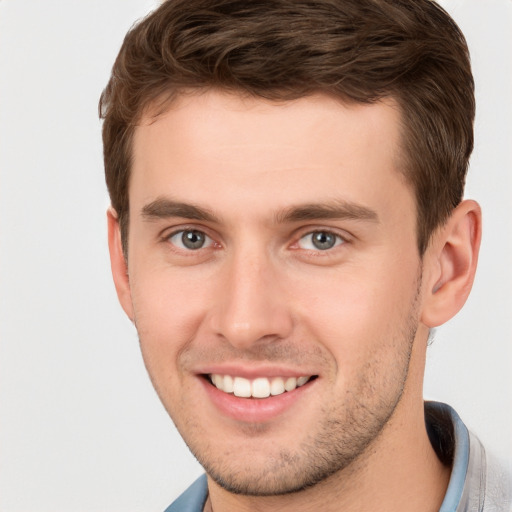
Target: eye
320,241
190,239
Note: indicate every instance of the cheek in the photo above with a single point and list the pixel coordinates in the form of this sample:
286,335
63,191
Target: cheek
360,315
168,308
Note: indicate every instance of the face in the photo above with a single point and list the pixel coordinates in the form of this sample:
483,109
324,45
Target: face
274,281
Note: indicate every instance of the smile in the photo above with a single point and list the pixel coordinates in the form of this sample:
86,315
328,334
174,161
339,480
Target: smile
261,387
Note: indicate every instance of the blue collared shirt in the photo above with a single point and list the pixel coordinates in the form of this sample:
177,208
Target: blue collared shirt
477,482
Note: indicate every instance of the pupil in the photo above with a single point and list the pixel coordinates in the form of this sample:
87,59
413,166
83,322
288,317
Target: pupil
193,239
323,240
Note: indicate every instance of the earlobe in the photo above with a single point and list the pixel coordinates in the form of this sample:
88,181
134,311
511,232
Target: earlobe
118,263
453,258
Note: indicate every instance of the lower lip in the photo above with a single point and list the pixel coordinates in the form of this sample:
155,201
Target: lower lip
254,410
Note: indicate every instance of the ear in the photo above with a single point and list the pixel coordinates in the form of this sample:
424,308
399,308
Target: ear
118,263
452,258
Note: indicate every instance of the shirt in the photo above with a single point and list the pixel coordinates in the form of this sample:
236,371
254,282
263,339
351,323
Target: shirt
478,483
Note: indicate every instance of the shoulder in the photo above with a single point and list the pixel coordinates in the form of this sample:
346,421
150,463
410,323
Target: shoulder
479,481
498,484
193,499
488,482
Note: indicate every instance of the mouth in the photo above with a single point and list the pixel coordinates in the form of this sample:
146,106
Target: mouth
260,387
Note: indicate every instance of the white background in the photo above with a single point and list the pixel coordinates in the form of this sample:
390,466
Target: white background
80,427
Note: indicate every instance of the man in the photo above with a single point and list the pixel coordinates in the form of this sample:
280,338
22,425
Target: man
287,226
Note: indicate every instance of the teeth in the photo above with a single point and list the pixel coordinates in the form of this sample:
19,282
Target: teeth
242,387
217,380
276,386
301,381
228,386
260,387
290,384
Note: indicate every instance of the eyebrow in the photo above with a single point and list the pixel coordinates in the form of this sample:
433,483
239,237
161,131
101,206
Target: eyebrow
336,209
163,208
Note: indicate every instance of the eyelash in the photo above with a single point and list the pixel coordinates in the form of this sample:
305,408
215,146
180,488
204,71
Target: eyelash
339,240
168,238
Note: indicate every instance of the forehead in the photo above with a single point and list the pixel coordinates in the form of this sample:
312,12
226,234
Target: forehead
294,151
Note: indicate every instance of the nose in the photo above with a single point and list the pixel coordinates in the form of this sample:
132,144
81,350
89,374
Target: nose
251,308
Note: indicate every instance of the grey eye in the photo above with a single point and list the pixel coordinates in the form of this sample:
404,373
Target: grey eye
320,241
190,239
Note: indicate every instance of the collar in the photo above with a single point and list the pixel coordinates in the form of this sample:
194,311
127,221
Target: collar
451,439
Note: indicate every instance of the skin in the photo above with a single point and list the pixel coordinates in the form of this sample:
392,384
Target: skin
259,299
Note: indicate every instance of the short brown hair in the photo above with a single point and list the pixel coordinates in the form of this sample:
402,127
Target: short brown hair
356,50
